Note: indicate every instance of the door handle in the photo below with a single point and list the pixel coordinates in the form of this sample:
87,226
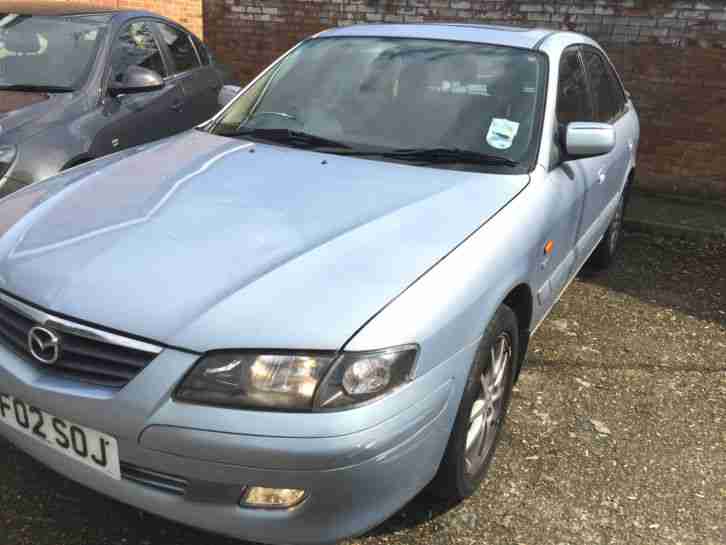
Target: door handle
177,106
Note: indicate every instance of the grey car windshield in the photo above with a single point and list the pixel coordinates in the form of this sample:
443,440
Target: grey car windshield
48,52
401,94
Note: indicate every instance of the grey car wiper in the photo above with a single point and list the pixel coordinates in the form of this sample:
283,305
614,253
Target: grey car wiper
29,88
447,155
310,141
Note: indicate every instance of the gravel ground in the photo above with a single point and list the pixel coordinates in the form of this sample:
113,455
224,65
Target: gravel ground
617,432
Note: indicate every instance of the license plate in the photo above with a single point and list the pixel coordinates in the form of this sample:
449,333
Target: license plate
87,446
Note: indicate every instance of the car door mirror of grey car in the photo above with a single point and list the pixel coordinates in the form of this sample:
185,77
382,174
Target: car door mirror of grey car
227,93
136,80
588,140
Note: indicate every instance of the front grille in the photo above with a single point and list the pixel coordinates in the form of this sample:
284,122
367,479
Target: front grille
160,481
86,354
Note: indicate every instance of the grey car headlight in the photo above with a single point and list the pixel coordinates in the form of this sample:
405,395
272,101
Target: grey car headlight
358,377
303,381
7,158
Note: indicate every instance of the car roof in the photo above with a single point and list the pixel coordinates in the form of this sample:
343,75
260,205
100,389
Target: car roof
26,7
527,38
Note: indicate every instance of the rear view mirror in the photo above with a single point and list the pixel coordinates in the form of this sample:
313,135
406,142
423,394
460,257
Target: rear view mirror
589,140
136,80
227,93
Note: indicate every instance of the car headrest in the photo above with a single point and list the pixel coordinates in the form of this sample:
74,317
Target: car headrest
19,42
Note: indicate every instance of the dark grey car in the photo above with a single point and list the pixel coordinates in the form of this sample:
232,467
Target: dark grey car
77,83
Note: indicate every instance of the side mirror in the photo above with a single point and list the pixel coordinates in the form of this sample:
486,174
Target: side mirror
227,93
136,80
588,140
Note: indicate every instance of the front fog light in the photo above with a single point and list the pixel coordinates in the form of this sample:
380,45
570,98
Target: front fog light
272,498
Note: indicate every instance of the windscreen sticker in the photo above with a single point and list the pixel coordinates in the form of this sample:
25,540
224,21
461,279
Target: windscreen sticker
501,133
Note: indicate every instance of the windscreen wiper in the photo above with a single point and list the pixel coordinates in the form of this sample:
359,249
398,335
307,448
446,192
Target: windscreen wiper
446,156
29,88
284,136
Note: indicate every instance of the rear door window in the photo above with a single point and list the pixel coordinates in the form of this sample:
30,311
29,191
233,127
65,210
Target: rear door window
181,48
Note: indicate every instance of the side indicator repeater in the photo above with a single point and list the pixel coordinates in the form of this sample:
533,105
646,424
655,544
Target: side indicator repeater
548,247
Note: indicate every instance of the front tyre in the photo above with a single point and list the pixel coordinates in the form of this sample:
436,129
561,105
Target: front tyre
482,410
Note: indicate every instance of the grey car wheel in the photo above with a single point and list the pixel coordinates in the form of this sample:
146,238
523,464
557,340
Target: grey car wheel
487,412
482,411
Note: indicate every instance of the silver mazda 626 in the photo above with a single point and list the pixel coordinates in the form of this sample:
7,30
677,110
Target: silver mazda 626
284,324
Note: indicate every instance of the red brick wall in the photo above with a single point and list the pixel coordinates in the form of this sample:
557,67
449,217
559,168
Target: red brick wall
185,12
672,55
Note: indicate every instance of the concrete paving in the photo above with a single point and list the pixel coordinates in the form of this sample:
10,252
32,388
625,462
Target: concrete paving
617,432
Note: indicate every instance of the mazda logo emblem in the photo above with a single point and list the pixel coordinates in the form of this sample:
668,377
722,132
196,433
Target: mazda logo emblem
44,345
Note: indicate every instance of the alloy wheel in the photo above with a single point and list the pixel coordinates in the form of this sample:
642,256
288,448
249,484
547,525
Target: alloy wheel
488,409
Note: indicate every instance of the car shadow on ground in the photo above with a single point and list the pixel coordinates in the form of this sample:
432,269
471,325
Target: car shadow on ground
680,274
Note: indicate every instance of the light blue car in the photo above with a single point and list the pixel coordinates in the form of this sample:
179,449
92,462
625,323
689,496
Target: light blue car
285,324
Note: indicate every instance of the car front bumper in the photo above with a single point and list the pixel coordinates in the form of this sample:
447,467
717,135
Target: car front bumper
353,481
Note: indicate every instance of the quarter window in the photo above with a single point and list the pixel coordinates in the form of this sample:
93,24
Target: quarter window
136,46
181,48
607,95
573,103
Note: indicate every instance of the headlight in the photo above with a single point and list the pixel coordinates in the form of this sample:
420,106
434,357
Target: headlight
239,379
7,157
358,377
296,381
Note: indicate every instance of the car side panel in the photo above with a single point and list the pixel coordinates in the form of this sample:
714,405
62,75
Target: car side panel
565,207
451,305
131,120
594,173
44,153
601,177
201,91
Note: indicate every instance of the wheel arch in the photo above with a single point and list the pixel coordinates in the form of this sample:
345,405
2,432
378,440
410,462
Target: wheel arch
520,300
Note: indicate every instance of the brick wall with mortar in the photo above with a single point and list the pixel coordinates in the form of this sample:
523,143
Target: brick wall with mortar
671,54
186,12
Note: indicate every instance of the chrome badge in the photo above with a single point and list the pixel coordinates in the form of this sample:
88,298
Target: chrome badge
44,345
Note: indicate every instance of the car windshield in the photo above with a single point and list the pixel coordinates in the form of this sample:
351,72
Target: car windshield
48,53
459,105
